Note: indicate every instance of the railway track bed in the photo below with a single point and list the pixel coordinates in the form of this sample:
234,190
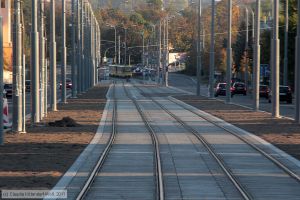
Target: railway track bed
155,147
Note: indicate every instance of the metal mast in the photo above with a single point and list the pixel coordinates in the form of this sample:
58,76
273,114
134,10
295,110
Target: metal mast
275,62
256,58
17,70
229,54
53,57
212,52
35,96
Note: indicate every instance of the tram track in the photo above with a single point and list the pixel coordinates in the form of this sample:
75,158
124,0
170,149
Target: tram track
159,173
286,170
157,162
243,192
105,153
255,147
261,151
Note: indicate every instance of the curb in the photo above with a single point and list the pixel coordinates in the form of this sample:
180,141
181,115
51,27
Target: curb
73,170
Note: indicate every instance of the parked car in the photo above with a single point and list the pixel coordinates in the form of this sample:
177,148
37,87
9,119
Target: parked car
220,89
285,94
239,88
264,91
27,85
8,88
68,84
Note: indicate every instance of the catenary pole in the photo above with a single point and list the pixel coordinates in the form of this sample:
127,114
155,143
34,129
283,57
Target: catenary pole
297,70
253,47
119,50
84,47
64,54
92,75
167,53
286,39
115,59
212,52
92,51
87,35
125,46
53,57
86,71
246,48
143,49
198,48
89,48
42,58
83,41
1,83
275,62
74,63
35,109
159,54
23,74
229,54
164,53
257,58
17,69
88,75
78,42
99,43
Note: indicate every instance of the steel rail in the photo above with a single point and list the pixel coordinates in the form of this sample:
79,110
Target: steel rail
106,151
159,173
255,147
209,148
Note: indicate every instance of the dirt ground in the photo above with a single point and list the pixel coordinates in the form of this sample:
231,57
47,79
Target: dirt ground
37,159
283,133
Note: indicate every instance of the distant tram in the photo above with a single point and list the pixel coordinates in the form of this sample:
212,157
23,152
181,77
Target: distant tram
121,71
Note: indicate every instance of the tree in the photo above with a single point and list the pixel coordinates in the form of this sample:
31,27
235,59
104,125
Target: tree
156,4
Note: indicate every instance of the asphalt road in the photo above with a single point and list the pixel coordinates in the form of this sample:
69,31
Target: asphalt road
28,102
188,83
